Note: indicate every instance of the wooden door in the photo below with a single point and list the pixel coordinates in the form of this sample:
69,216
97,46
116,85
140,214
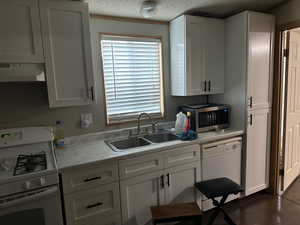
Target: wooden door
138,194
179,183
65,28
292,126
257,151
20,32
260,60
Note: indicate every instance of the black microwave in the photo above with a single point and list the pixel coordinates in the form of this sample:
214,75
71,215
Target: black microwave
207,117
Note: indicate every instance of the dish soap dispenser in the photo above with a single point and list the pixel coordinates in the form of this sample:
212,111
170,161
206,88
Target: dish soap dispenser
59,135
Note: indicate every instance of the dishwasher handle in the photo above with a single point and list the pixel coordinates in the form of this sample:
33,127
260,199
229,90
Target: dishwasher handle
25,197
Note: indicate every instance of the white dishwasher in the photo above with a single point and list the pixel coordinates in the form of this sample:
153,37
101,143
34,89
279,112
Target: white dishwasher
221,159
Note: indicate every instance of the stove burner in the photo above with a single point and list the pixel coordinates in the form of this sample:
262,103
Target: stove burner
30,163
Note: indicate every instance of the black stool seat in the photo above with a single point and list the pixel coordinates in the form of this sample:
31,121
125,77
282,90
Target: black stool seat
219,187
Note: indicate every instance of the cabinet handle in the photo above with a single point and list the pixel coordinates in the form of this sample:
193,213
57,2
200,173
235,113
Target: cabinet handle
168,179
92,93
251,102
94,205
204,86
209,86
92,178
162,181
251,119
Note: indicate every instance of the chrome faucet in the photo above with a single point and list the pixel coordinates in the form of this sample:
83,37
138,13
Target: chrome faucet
139,122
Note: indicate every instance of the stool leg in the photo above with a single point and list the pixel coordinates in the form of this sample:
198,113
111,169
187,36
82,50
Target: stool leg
213,216
198,220
227,218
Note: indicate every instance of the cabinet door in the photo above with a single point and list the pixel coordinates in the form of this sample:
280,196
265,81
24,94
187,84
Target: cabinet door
179,183
20,35
138,194
195,55
257,151
214,55
260,59
65,28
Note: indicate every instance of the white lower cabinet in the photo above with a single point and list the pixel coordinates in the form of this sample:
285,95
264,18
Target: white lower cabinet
99,193
258,151
165,186
180,182
137,195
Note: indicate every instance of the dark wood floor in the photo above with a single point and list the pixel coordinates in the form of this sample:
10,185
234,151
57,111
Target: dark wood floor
265,209
293,192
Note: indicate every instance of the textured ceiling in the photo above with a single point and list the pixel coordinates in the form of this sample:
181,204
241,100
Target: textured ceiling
169,9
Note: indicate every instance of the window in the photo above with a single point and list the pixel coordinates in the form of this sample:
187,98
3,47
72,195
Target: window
132,77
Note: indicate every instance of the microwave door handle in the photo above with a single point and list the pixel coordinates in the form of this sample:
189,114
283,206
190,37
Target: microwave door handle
27,198
209,119
215,118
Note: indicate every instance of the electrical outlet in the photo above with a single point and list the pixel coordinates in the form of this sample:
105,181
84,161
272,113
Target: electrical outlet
86,120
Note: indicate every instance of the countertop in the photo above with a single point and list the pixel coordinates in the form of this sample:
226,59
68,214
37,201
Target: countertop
96,150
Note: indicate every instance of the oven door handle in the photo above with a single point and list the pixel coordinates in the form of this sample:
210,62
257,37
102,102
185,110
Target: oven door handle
27,197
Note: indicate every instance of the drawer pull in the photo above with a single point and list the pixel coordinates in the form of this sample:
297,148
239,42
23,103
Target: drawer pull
91,179
94,205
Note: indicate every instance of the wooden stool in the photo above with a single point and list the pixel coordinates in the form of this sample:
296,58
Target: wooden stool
176,212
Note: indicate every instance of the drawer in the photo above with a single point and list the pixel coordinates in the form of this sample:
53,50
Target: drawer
140,165
94,203
89,176
100,220
182,155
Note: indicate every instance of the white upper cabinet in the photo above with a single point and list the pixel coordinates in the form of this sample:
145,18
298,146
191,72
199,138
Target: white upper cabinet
197,56
20,33
66,37
260,60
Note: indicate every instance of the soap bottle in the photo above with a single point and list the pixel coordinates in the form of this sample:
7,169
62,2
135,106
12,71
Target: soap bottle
59,135
188,124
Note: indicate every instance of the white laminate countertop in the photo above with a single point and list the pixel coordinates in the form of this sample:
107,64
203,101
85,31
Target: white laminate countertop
92,151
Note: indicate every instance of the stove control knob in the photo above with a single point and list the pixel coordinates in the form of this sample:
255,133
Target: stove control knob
42,181
27,185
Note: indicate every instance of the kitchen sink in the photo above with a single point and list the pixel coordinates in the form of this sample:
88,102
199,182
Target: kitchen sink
161,137
132,142
140,141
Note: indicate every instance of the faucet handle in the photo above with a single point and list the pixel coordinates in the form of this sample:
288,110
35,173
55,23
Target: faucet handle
155,126
129,133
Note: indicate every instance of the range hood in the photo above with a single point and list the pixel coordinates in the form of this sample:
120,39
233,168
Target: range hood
14,72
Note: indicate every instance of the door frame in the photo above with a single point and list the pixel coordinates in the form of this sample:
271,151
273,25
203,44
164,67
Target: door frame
277,107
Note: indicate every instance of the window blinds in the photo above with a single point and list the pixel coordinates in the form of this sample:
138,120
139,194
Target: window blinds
132,77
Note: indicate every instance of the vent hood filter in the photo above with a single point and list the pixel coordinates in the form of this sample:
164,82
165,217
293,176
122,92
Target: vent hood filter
12,72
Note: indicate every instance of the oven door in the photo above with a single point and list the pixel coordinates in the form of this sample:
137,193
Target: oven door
38,207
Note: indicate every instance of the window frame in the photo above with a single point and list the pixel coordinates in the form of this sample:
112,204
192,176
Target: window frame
162,83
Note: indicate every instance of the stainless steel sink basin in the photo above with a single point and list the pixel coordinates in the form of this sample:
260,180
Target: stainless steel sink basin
128,143
161,137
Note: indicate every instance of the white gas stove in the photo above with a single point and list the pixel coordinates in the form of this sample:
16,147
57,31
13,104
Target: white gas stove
28,176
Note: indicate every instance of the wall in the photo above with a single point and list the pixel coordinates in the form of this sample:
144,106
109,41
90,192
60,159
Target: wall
287,12
27,104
